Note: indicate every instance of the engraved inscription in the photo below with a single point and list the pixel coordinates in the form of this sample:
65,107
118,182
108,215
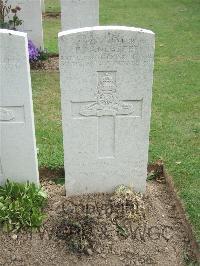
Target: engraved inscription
120,49
108,102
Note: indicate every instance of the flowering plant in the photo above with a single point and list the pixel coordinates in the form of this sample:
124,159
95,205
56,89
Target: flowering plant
15,21
5,10
34,52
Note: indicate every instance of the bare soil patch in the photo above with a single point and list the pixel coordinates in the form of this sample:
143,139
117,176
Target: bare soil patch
51,64
103,229
51,15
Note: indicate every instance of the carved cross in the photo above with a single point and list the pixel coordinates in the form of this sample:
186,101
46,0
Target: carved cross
107,108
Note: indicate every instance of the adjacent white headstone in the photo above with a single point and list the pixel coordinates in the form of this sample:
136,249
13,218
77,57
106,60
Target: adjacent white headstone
31,14
106,84
79,13
18,157
43,6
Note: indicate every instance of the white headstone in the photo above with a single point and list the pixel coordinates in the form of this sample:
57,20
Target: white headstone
31,15
43,6
79,13
106,84
18,157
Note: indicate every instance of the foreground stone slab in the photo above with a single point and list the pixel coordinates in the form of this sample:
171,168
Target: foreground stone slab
106,84
31,14
79,13
18,160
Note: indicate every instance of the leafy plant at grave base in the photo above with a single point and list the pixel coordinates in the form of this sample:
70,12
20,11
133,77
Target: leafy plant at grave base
21,206
5,10
127,204
36,54
59,181
44,55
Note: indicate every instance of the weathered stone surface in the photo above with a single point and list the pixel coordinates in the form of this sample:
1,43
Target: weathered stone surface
79,13
31,14
18,157
106,84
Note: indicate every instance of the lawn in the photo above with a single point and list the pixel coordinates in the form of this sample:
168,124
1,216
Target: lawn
52,5
175,129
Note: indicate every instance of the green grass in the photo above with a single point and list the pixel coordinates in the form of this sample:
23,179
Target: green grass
52,6
174,128
51,28
46,95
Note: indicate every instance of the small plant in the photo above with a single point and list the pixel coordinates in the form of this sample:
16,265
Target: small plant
21,206
15,21
43,55
128,204
122,230
5,10
34,52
